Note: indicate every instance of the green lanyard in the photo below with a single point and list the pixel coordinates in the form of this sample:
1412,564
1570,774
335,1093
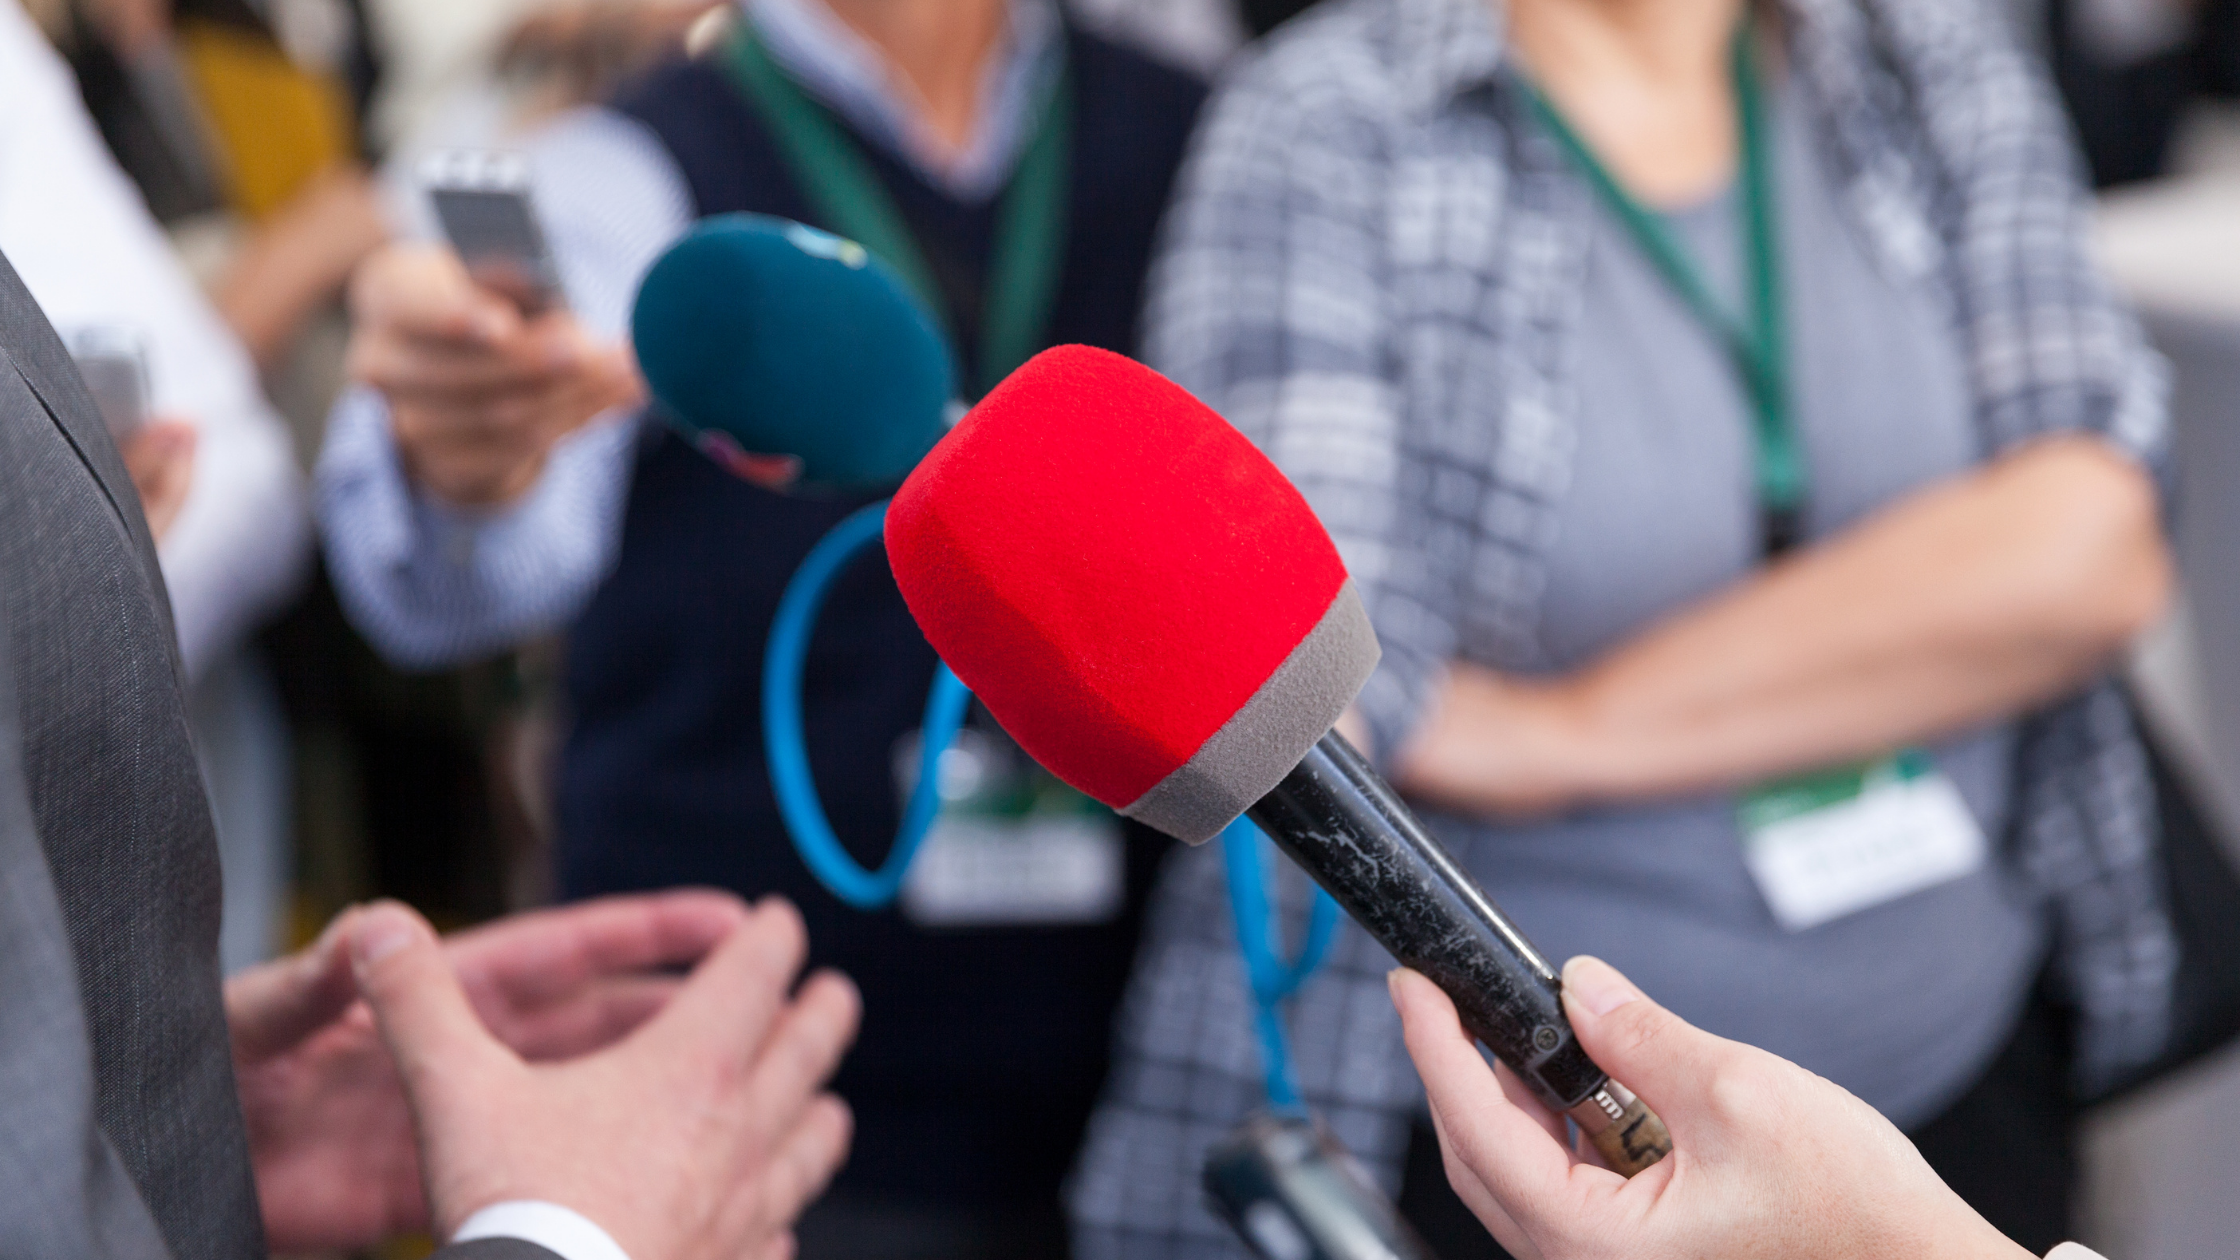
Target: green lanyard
1030,223
1758,346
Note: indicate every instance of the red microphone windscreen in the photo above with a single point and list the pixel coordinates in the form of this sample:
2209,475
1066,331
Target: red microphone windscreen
1131,588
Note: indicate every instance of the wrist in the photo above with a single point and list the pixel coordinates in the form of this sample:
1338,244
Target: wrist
563,1231
1946,1228
1600,750
1505,746
476,490
1579,757
1558,754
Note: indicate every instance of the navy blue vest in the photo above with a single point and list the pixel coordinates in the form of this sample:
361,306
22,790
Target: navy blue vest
981,1051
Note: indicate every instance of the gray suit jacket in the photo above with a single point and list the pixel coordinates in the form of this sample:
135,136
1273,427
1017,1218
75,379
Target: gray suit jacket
120,1131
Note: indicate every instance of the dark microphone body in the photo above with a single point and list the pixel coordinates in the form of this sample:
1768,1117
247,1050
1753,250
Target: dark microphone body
1154,613
1339,820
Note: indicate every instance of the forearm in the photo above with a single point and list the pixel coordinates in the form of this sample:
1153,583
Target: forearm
1959,605
299,260
430,586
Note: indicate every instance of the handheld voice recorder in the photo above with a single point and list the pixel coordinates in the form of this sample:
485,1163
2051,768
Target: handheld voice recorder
482,199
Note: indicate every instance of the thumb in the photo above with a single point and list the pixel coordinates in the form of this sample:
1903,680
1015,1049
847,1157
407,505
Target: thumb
1669,1062
417,1001
272,1007
424,290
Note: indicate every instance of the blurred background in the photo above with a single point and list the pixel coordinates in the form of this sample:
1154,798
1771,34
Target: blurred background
273,139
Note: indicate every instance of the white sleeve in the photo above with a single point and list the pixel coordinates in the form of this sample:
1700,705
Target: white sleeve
82,238
429,585
564,1232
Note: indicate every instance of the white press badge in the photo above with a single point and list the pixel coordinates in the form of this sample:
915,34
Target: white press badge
1826,845
1012,846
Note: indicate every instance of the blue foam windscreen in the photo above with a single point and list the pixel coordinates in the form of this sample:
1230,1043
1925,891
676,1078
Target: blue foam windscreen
762,336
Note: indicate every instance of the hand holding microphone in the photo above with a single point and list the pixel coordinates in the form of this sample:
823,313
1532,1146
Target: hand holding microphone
1780,1163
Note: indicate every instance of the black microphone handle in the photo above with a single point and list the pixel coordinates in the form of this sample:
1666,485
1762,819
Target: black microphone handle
1346,828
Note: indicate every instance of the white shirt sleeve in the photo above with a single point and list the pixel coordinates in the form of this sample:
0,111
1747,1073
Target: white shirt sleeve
81,237
430,585
564,1232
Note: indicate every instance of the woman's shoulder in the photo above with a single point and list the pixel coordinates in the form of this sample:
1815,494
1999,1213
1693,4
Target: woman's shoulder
1341,60
1959,67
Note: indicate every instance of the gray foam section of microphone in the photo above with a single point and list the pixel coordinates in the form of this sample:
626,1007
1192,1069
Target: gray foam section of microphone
1264,740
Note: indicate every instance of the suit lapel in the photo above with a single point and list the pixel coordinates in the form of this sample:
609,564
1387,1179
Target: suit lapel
36,355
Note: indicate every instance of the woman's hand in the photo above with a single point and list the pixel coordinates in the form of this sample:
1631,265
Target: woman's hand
1960,605
1768,1160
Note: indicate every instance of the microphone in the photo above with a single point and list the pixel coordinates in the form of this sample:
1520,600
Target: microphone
1153,612
792,356
762,337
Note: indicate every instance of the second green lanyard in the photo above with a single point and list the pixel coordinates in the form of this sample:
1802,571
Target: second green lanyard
1756,341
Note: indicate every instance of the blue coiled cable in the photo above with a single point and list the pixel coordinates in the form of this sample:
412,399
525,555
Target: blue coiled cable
1272,979
795,786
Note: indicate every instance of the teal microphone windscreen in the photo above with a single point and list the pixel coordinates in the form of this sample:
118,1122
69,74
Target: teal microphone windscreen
763,337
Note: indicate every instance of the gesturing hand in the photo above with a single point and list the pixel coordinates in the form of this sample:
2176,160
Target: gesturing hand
701,1134
1768,1160
329,1131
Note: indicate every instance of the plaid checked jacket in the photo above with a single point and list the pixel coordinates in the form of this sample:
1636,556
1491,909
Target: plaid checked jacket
1374,269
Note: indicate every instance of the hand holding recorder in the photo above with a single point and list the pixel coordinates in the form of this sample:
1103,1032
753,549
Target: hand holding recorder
1769,1160
478,390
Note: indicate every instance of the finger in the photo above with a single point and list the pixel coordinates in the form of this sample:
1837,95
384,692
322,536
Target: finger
514,424
727,1006
417,1003
802,1052
156,448
424,291
1521,1097
544,955
611,370
606,384
592,1018
271,1008
169,434
802,1165
1504,1150
1667,1061
1475,1197
417,367
176,473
